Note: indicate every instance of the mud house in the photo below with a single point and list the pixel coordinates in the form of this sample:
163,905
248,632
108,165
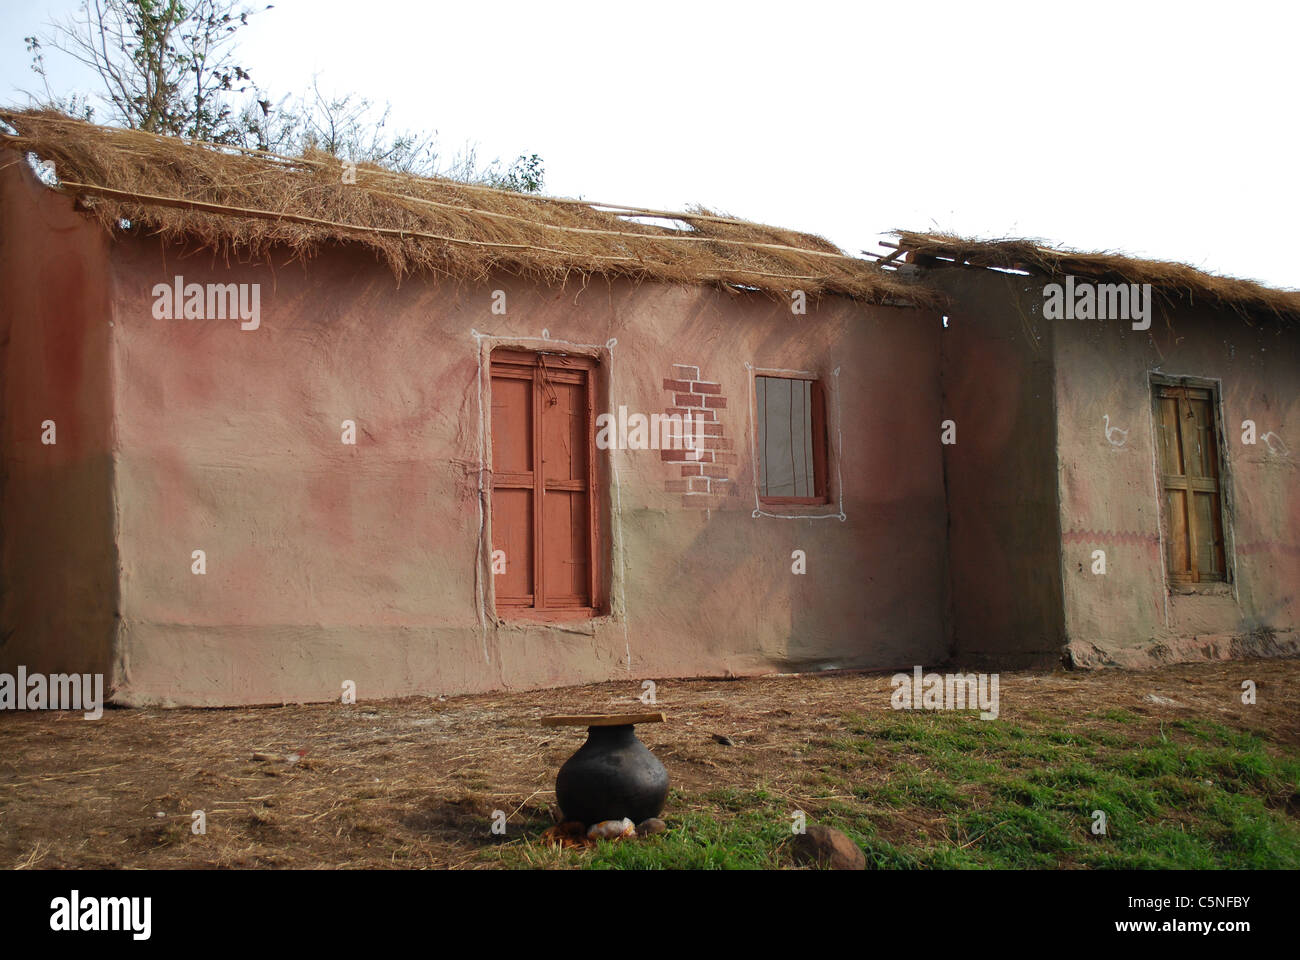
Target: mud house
311,433
274,432
1125,484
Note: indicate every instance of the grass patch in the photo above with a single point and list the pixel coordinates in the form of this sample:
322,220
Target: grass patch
949,791
1193,794
699,841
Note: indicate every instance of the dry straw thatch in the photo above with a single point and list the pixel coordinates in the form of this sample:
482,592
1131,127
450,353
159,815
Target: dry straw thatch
245,203
1174,280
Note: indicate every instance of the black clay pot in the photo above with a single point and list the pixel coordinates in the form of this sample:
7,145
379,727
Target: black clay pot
613,775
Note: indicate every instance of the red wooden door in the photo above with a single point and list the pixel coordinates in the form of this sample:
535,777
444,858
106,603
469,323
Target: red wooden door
543,504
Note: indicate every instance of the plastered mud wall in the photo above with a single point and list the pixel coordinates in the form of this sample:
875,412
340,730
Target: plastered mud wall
1000,473
328,563
1110,501
58,585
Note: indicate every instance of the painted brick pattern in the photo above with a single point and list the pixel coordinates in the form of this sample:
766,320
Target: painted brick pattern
704,478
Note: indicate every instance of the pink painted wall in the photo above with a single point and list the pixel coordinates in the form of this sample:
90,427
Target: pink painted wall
328,563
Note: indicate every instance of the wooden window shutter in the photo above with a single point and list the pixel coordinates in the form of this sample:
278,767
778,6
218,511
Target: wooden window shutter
513,483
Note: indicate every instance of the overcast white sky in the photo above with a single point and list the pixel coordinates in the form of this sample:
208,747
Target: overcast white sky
1166,130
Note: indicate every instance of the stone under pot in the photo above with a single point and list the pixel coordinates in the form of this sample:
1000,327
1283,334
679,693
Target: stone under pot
613,775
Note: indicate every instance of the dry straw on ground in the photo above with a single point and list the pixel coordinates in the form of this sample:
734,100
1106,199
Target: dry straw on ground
415,782
1179,280
244,203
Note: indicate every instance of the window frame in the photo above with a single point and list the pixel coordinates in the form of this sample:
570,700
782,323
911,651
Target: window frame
820,442
511,362
1211,394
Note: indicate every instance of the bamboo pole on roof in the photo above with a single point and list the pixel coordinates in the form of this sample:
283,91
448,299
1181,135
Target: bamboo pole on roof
400,232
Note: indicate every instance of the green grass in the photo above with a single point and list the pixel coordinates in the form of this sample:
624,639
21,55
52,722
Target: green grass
949,791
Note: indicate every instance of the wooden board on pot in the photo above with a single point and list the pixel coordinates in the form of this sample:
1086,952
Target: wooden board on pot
601,720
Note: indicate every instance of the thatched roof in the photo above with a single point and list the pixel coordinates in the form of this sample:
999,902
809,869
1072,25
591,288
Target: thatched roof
246,202
1173,280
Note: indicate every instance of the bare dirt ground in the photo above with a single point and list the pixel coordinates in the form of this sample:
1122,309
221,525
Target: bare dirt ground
413,782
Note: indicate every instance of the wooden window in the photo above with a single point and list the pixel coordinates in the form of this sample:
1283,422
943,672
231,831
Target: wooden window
1187,440
791,440
544,516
